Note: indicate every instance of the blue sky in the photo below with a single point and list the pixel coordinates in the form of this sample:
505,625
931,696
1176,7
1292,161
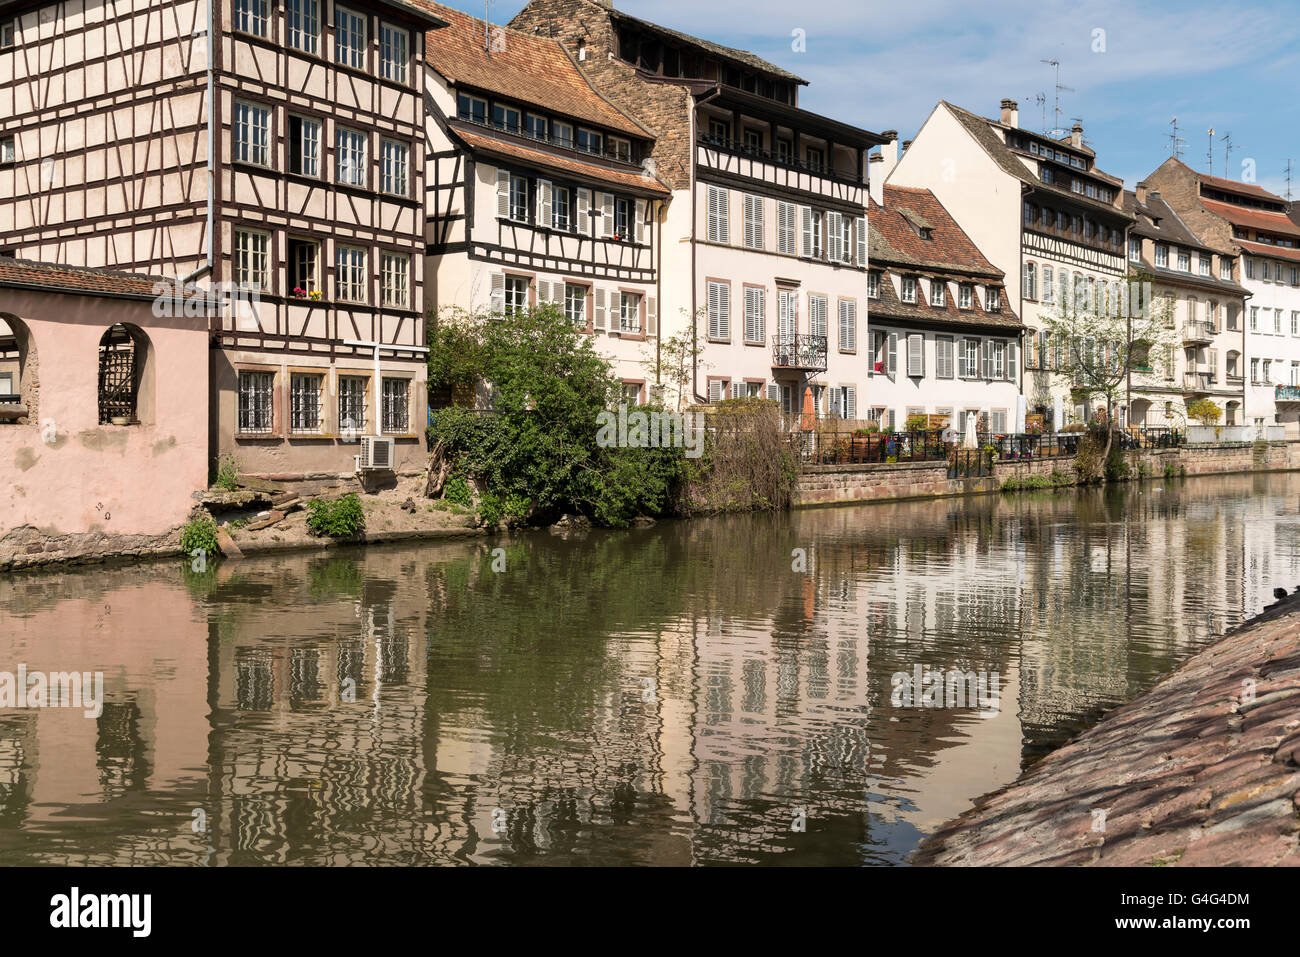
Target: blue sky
1231,66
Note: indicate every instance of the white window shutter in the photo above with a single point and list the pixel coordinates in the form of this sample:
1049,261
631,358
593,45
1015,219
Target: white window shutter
544,202
891,357
543,292
606,215
774,392
833,228
639,229
806,212
651,315
715,390
600,308
737,390
785,235
584,212
497,299
1011,361
986,352
850,402
861,229
503,192
916,355
724,311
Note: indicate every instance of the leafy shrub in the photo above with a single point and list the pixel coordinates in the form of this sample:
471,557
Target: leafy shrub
1027,483
1075,427
200,533
457,491
916,423
343,518
1171,470
227,473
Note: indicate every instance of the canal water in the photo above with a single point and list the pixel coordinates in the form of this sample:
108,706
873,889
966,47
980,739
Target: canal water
722,691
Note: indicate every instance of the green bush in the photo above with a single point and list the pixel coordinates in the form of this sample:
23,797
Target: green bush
1027,483
200,533
343,518
227,473
457,491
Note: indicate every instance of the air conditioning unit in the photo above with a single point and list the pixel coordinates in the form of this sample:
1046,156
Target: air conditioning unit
376,454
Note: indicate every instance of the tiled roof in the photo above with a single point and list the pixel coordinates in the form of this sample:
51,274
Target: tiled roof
22,272
894,239
529,69
743,57
1254,218
1232,186
981,128
1264,249
490,144
1171,229
894,243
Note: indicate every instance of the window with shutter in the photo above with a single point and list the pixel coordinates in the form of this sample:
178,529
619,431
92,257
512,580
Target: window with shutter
817,315
986,353
773,392
808,247
1012,369
543,217
718,225
543,292
785,229
719,311
737,390
943,357
716,387
497,299
850,402
848,325
834,237
503,193
891,358
600,310
754,306
860,229
584,212
651,315
606,225
915,355
754,222
640,227
787,311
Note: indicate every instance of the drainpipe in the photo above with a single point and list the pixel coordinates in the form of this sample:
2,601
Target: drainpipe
211,81
694,147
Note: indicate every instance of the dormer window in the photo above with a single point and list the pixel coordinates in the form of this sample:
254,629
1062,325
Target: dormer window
992,299
965,296
873,285
1162,256
937,293
925,232
909,289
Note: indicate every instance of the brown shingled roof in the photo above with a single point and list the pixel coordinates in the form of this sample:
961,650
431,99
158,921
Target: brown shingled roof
529,69
490,144
1254,218
27,273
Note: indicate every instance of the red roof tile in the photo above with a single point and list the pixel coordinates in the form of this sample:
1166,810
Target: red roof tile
1264,249
527,68
490,144
22,272
898,241
1254,218
1232,186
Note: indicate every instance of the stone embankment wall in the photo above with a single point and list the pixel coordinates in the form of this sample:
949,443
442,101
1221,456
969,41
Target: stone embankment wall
838,484
1203,769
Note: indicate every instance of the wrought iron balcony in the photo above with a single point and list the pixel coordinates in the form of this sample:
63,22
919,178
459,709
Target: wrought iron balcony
1287,393
1198,330
793,350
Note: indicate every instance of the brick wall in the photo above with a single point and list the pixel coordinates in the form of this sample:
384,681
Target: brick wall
662,108
1180,188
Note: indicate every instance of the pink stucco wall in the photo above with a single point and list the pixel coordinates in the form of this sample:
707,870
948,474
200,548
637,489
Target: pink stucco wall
135,479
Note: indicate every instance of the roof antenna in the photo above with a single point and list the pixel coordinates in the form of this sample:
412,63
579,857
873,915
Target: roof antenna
1056,112
1041,100
1176,142
1209,154
1227,154
487,28
1288,179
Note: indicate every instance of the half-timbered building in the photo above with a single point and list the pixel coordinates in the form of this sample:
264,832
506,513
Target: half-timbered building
1040,209
540,191
765,244
276,147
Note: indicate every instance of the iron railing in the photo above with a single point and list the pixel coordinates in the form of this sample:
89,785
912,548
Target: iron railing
824,170
1198,330
793,350
1287,393
1196,382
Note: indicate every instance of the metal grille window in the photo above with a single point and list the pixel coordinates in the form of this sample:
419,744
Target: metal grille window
252,134
392,53
250,16
394,279
351,158
303,21
252,259
396,411
349,38
255,391
352,405
394,160
350,274
575,304
304,403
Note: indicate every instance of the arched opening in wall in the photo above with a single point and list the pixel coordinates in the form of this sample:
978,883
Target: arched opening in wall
1140,411
1232,413
125,376
19,383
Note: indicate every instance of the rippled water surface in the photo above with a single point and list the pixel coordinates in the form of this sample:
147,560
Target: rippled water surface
690,693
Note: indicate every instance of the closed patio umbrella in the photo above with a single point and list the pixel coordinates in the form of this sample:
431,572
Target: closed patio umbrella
970,440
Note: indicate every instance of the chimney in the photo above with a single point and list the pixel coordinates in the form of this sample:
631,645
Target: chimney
1010,113
1141,191
1076,135
880,165
906,144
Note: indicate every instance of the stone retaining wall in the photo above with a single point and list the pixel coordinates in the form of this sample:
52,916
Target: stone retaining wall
839,484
